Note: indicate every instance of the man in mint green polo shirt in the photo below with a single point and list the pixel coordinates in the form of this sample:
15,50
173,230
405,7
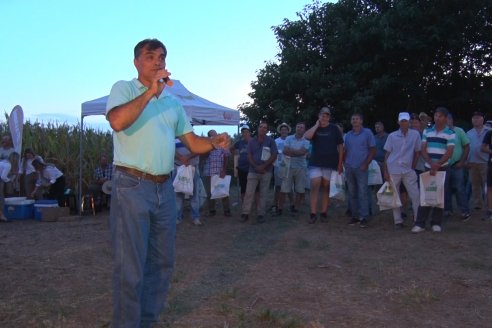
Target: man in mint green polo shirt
146,120
455,174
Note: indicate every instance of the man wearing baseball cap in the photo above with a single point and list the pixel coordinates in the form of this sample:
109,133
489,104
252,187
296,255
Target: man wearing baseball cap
402,152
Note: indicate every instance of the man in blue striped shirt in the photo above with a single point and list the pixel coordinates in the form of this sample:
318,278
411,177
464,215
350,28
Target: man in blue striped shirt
437,147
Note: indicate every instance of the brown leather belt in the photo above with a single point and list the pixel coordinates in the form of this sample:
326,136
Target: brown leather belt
143,175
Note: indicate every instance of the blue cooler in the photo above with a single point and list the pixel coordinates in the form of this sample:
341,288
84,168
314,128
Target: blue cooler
18,208
38,214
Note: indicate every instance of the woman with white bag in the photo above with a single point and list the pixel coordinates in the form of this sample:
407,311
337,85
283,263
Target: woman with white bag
402,153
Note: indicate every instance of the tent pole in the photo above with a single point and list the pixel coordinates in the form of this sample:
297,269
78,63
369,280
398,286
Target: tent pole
81,154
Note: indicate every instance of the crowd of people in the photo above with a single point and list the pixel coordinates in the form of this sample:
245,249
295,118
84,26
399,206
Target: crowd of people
304,161
153,139
27,176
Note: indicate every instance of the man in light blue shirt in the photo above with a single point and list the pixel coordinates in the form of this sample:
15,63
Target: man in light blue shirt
477,161
402,153
360,148
295,150
146,121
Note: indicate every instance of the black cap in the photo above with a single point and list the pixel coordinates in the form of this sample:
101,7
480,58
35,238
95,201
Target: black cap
478,114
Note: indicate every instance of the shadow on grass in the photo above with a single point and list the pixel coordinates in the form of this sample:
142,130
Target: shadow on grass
250,245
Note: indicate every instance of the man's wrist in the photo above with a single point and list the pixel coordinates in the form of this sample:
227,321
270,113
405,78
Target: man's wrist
212,143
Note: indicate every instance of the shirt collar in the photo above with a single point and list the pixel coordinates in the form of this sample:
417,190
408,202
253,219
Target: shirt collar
142,88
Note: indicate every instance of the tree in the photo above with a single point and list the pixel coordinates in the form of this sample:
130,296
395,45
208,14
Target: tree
377,57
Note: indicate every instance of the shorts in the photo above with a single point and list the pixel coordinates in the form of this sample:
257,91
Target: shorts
316,172
296,179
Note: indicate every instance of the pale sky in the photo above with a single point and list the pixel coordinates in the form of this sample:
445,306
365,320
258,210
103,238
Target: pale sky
57,54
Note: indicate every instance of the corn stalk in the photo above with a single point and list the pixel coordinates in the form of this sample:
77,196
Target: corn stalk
58,143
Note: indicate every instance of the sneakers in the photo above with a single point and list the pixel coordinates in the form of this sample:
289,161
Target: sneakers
323,217
417,229
436,228
488,216
363,223
197,222
353,221
465,217
260,219
312,218
244,218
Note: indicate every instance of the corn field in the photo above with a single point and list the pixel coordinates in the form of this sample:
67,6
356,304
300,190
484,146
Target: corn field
59,144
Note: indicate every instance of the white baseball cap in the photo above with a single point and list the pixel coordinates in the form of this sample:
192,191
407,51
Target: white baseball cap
403,116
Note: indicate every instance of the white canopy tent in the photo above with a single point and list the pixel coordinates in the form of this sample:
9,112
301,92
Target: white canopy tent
201,112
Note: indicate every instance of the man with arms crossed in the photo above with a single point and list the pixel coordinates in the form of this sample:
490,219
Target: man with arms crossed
145,121
296,147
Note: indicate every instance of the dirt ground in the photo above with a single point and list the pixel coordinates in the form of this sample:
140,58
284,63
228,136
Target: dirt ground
283,273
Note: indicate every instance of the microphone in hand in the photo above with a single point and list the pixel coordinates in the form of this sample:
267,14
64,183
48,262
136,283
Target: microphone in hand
168,81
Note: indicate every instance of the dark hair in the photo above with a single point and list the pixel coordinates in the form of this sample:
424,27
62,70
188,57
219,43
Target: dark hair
414,116
37,163
29,151
149,44
303,123
358,114
442,110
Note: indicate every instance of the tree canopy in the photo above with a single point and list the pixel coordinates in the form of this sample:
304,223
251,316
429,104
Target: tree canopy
377,57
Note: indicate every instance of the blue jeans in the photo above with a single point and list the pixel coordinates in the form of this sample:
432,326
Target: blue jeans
455,181
194,200
358,192
143,231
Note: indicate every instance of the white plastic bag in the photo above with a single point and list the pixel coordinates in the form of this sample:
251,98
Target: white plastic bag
265,153
183,182
388,197
219,187
337,186
432,189
374,174
284,167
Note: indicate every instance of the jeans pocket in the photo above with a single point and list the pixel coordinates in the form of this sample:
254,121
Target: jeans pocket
126,181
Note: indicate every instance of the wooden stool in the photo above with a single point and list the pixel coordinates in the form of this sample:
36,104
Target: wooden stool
90,200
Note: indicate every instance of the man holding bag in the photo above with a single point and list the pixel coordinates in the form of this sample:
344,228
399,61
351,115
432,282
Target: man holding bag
216,164
184,157
437,147
262,153
402,153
